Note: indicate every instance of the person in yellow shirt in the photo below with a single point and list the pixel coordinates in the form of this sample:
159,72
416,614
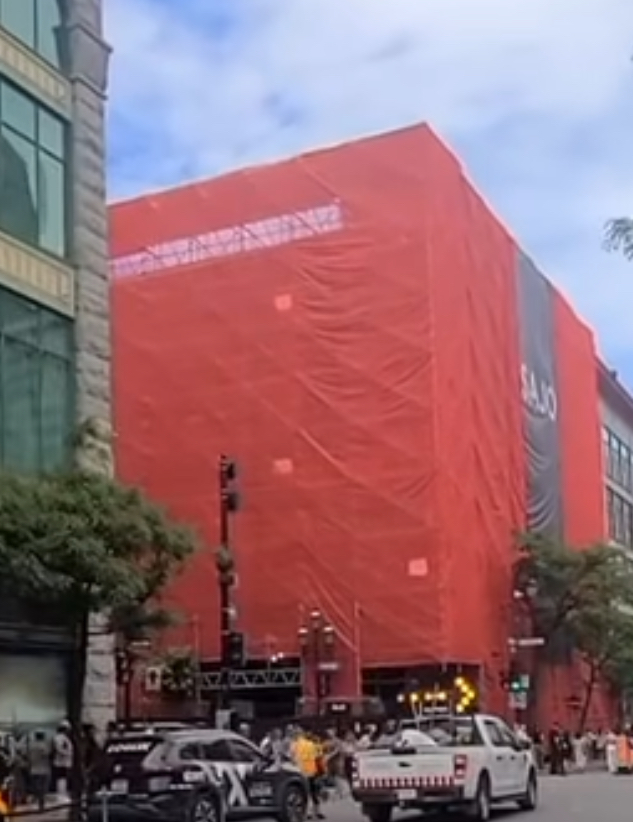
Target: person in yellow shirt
308,757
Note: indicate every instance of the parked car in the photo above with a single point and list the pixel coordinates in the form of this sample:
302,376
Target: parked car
196,775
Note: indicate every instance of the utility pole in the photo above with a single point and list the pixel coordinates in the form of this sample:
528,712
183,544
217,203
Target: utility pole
225,564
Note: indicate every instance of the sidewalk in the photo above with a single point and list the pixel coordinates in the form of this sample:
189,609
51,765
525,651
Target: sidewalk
53,813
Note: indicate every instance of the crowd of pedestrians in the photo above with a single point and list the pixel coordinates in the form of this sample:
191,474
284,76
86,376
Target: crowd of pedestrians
561,752
38,765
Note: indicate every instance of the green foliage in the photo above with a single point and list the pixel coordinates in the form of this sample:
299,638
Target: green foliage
618,236
85,543
179,672
586,594
139,621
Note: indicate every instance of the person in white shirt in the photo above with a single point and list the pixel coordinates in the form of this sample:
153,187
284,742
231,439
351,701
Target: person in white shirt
62,759
611,751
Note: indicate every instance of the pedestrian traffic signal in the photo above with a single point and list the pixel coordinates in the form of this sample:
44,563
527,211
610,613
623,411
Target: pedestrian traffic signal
233,651
516,685
515,682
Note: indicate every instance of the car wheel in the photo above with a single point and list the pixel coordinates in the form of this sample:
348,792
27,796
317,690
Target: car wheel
530,799
294,805
204,809
378,813
481,809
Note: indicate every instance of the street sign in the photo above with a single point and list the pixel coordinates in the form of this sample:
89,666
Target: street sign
518,701
328,666
526,642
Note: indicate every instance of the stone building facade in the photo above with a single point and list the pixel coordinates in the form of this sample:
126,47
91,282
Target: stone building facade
54,295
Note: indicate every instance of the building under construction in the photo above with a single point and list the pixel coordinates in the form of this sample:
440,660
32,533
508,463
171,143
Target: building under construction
403,390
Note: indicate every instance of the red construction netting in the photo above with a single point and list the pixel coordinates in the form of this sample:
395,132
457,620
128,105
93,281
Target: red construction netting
345,325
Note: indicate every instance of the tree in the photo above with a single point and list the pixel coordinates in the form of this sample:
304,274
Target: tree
81,543
580,601
559,581
604,638
618,236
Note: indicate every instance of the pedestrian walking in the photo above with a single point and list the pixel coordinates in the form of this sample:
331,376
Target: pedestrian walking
611,751
307,756
39,765
62,758
579,745
556,746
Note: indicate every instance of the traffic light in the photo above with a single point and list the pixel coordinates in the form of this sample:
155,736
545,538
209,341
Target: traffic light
516,684
233,652
228,477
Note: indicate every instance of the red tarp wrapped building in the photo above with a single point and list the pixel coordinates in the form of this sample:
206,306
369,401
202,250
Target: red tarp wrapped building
401,387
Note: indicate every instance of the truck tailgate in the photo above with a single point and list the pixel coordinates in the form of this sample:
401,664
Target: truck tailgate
385,770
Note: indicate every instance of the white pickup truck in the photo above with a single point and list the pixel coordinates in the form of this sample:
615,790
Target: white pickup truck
452,763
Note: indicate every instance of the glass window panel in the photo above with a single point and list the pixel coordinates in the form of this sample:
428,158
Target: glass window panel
611,512
50,35
52,205
18,186
19,318
51,133
18,111
21,397
18,17
56,334
56,412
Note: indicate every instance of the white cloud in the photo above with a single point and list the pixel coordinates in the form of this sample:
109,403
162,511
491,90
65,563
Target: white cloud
536,96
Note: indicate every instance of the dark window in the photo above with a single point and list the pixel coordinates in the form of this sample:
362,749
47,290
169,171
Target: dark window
243,752
32,172
36,385
620,516
38,24
494,733
509,738
217,751
618,460
189,751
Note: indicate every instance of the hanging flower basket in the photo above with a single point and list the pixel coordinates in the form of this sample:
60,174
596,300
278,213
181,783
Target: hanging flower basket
179,673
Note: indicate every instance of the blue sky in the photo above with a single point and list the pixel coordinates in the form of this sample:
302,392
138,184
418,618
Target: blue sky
535,95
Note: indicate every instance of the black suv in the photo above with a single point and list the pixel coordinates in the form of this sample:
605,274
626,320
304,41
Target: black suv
196,776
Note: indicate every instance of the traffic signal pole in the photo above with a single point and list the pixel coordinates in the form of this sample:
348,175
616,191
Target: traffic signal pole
225,580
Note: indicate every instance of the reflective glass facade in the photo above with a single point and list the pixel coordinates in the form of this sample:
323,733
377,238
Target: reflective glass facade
38,24
33,172
36,385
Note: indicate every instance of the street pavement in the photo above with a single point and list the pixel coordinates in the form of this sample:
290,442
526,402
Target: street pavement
594,797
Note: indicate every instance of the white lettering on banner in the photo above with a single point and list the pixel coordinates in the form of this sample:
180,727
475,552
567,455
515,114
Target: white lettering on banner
539,395
130,747
233,777
270,232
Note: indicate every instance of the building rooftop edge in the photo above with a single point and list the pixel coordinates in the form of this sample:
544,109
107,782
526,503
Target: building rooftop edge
609,383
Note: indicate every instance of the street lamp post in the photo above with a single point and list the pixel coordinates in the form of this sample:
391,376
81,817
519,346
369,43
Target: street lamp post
225,565
317,640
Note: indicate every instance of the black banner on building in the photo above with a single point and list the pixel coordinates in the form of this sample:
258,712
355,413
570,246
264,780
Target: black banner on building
539,386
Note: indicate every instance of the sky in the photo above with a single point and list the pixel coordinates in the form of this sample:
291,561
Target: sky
536,97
